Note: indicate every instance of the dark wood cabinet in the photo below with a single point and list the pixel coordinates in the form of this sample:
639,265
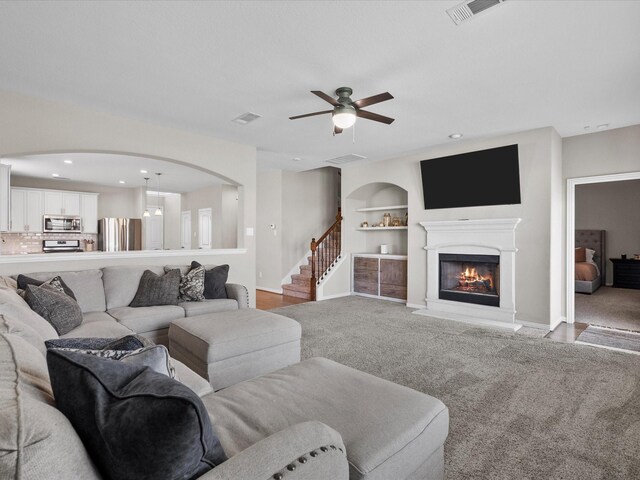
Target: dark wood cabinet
382,277
626,273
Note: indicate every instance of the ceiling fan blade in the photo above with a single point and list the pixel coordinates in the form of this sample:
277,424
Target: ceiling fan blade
310,114
336,130
325,97
365,102
375,117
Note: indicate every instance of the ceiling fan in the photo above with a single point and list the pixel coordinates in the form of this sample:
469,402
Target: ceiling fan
346,111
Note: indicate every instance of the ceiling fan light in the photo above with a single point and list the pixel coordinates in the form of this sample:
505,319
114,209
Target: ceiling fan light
344,116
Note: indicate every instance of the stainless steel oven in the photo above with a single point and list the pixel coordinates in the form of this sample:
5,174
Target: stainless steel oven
61,224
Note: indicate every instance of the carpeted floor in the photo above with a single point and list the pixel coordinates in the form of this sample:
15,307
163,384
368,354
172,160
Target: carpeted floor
610,307
521,406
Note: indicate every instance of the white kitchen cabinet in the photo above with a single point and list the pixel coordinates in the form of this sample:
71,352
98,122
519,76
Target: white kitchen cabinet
26,210
89,212
5,197
61,203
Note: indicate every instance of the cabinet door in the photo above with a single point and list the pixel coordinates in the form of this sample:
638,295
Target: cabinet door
71,204
393,278
33,212
365,275
89,204
5,197
18,210
53,203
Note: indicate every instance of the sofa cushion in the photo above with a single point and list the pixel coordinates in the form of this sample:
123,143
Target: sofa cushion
60,310
38,442
147,319
106,326
191,379
191,309
123,413
156,290
121,283
9,324
23,312
86,285
388,429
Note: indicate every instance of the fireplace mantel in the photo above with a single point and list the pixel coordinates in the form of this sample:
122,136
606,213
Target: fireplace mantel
473,237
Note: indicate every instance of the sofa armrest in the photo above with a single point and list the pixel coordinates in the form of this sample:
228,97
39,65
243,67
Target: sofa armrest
239,293
314,450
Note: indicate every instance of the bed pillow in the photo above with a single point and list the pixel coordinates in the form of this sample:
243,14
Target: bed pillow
57,308
214,281
581,253
134,422
590,255
157,289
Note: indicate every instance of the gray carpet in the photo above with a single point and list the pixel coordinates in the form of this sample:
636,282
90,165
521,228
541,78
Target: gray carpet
522,407
610,338
610,307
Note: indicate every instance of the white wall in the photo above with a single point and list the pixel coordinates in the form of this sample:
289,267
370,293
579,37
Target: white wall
223,202
269,246
607,206
30,125
172,212
539,170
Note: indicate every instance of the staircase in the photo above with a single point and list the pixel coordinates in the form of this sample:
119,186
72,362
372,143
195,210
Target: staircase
325,252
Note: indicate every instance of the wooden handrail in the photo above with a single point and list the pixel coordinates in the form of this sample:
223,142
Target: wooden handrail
330,243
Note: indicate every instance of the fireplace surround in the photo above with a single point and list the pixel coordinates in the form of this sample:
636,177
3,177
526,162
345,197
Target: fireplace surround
471,271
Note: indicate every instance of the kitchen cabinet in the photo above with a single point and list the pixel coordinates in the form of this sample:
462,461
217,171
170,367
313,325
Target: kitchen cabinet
26,210
5,197
61,203
380,276
89,212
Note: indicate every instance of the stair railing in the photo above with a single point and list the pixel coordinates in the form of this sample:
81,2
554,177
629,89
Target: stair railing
325,252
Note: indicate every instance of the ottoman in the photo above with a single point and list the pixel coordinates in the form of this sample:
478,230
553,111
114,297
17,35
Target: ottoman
236,345
390,432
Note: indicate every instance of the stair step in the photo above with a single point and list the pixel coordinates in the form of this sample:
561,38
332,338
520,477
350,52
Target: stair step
292,290
304,269
302,280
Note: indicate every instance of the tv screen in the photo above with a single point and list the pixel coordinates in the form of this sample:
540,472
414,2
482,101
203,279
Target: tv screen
486,177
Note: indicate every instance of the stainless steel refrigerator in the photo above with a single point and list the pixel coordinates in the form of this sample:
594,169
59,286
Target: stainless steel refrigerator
119,234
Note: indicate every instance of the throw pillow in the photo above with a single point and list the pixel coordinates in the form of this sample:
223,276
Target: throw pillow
192,284
214,281
581,254
128,342
135,423
56,282
60,310
157,289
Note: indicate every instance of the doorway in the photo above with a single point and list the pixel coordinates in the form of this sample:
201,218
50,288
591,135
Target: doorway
185,230
204,228
154,229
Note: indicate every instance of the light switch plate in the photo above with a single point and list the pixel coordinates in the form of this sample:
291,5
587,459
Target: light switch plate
249,231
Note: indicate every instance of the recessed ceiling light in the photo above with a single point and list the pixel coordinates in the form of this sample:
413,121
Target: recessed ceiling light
455,136
296,159
603,126
143,171
68,162
121,181
55,174
247,117
587,127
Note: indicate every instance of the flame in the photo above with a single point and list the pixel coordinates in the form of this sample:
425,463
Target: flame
470,275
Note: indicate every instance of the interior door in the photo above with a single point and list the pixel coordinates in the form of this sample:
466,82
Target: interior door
154,230
204,228
185,228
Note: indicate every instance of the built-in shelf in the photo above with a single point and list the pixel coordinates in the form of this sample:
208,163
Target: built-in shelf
382,228
382,209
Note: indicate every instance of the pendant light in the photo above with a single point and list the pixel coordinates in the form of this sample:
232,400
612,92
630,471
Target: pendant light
146,190
158,209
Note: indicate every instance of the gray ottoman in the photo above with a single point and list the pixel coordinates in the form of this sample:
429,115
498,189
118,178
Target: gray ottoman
390,432
229,347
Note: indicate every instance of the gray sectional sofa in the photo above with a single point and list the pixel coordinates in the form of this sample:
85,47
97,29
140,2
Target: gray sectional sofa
311,421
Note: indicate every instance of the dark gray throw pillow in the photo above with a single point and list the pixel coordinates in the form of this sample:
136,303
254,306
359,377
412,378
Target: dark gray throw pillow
214,281
157,289
60,310
56,282
134,422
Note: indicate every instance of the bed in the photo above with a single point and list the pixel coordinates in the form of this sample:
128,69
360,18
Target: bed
590,272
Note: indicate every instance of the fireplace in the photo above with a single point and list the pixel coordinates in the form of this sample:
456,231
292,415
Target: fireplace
470,278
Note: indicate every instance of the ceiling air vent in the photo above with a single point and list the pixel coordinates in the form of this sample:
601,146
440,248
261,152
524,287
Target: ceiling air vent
469,9
246,118
352,157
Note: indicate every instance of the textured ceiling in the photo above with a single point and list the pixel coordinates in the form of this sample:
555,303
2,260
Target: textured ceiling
198,65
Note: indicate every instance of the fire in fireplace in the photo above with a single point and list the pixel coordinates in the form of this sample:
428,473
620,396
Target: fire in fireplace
470,278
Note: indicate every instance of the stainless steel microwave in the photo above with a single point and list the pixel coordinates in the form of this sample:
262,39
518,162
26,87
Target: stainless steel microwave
61,224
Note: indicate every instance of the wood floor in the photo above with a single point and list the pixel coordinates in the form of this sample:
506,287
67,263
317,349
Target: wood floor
567,333
269,300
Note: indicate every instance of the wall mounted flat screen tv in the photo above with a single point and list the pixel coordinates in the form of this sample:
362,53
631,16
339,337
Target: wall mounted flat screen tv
485,177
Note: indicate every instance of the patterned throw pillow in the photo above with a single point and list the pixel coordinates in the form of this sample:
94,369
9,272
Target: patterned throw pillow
60,310
128,342
192,284
56,282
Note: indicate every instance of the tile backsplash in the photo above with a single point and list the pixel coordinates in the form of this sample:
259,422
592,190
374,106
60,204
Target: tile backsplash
17,243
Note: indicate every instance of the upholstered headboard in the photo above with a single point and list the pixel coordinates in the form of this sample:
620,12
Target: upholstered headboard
595,240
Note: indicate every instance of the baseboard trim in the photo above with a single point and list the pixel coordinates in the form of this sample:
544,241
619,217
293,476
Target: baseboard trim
271,290
539,326
481,322
336,295
415,305
555,324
